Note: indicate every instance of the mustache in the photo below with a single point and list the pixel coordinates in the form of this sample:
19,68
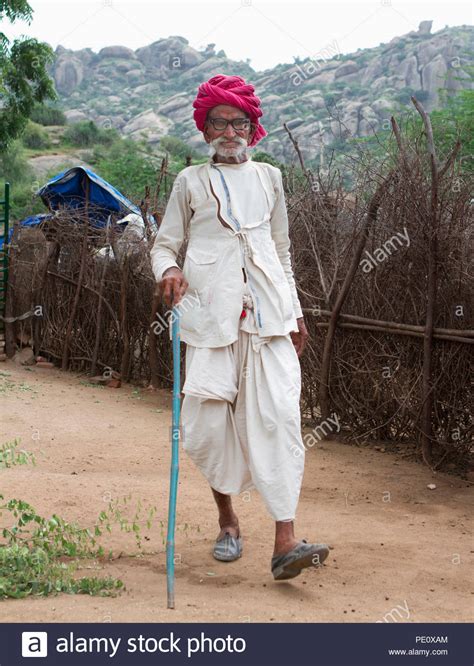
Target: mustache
236,139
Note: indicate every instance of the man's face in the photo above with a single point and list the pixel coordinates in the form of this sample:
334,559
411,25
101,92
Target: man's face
228,142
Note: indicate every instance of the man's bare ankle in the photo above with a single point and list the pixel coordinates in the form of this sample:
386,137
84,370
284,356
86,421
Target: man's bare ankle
233,530
228,521
283,547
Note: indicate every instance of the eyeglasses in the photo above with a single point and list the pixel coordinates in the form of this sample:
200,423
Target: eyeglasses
238,124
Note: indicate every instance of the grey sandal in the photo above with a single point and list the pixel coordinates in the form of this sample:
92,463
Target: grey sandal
303,555
228,548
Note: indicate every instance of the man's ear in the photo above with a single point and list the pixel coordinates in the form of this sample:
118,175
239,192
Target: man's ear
205,134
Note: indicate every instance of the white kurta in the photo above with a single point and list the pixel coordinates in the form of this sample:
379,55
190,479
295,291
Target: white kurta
249,202
240,415
224,246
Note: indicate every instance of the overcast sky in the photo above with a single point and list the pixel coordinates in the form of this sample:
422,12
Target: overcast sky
266,31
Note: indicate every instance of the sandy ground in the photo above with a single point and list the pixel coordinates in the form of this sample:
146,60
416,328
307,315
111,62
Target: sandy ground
400,551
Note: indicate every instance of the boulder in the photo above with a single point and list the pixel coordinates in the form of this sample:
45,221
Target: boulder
350,119
144,89
348,67
147,123
368,121
134,76
75,115
192,57
176,102
425,53
433,77
314,99
373,71
294,122
409,70
117,52
424,27
158,54
68,74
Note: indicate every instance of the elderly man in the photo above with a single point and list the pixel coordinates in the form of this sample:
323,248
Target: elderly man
241,321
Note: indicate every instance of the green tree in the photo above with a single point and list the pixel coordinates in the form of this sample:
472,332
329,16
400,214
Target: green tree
127,166
456,121
24,79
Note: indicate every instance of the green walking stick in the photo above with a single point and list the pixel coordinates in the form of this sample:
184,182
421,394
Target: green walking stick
175,336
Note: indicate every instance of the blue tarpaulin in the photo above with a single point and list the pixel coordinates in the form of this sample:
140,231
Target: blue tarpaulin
31,221
69,189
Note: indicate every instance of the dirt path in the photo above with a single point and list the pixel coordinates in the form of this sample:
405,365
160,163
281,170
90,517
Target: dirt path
396,544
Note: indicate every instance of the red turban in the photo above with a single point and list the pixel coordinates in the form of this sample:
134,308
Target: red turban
232,90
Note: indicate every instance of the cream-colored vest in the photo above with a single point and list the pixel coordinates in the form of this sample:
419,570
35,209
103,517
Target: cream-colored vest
224,261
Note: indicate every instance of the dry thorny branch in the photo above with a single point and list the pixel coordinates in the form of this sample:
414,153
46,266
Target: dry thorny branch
383,275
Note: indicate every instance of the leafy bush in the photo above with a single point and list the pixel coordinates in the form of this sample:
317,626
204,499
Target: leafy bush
29,558
421,95
14,167
25,571
32,559
176,147
128,166
85,134
456,120
24,201
404,95
48,115
261,156
35,137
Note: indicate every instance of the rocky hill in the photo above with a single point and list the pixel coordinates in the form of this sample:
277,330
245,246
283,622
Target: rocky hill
148,92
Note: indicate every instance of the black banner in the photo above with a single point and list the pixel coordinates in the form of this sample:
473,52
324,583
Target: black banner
245,644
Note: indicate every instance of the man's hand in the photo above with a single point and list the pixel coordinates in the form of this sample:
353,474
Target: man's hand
172,286
300,338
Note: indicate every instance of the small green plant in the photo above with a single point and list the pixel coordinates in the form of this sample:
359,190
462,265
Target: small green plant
32,571
10,455
114,514
54,535
31,560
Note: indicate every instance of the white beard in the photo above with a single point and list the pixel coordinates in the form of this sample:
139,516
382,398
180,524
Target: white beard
216,149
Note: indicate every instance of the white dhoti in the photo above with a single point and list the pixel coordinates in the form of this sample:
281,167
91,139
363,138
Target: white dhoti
240,417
